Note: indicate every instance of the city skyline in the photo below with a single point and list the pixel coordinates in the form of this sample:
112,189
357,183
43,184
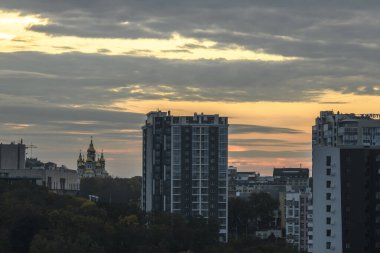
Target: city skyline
69,71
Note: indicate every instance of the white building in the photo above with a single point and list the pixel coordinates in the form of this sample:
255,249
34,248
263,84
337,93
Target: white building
14,167
310,226
297,205
265,234
346,183
60,179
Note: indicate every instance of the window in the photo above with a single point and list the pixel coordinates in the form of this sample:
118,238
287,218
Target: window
49,183
328,208
328,245
328,160
328,220
62,183
328,184
328,232
328,196
328,172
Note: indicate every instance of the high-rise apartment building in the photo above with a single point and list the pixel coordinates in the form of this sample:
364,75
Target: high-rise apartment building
185,166
346,183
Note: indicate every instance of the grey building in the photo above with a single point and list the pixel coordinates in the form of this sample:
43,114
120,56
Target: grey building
296,178
59,179
185,166
346,183
12,156
14,168
232,180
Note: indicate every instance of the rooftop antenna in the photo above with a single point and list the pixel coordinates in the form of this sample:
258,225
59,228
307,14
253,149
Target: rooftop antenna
31,147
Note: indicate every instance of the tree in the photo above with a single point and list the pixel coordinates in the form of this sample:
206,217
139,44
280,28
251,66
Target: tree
248,215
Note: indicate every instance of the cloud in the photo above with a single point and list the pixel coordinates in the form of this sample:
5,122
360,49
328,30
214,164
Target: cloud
333,102
266,143
271,154
318,29
89,78
244,128
337,45
337,42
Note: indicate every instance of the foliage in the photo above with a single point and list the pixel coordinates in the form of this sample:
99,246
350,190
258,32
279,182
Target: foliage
34,220
247,216
113,190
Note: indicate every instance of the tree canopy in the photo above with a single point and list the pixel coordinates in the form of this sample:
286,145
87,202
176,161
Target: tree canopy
34,220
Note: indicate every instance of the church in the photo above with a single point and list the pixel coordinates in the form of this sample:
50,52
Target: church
93,166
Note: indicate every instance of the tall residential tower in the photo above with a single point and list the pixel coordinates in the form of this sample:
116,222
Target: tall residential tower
185,166
346,178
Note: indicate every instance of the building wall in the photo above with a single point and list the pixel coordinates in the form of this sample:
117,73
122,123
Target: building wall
12,156
360,195
63,180
320,203
310,226
57,180
185,166
297,219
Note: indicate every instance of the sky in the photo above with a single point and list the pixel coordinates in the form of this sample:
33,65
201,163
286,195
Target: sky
74,69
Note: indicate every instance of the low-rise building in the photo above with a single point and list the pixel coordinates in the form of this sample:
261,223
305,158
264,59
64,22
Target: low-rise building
15,168
297,178
265,234
232,181
12,156
297,211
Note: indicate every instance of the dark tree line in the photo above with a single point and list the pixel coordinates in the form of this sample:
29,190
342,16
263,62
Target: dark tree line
34,220
113,190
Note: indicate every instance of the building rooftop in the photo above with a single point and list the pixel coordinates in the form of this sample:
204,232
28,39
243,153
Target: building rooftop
290,172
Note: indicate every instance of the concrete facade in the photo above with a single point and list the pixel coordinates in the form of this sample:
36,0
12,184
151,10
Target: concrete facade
346,183
185,166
